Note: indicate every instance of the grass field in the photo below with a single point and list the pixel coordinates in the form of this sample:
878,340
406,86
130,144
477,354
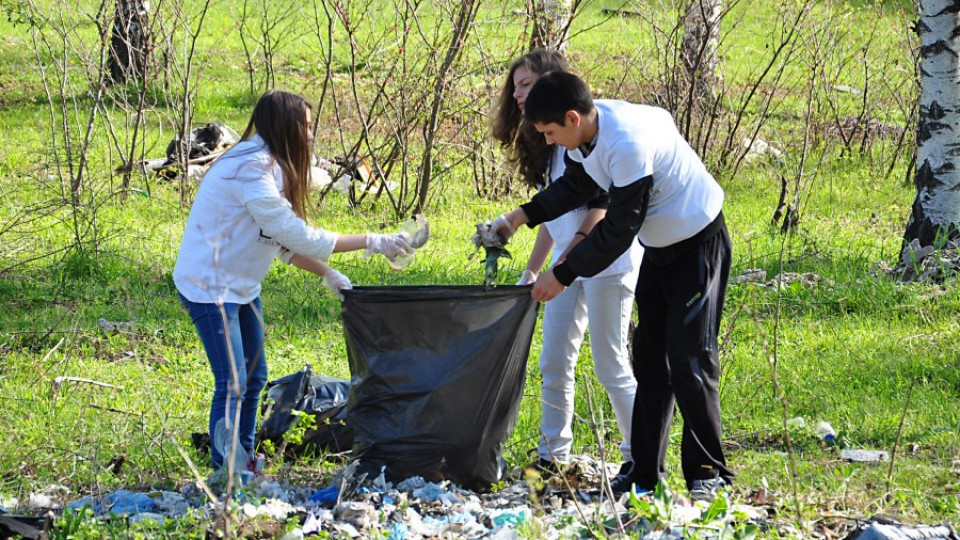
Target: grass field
874,357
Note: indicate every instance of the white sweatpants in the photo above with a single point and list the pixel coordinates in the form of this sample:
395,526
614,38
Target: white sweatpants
606,303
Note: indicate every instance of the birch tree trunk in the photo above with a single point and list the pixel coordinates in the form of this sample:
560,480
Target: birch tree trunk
701,27
936,210
130,41
551,23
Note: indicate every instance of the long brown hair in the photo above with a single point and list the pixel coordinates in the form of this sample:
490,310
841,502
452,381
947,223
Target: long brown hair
280,118
524,147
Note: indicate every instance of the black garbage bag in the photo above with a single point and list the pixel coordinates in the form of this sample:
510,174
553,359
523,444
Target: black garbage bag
437,377
203,141
323,397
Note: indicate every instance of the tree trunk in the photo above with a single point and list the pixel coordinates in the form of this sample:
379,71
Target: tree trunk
130,41
701,27
936,210
551,22
461,27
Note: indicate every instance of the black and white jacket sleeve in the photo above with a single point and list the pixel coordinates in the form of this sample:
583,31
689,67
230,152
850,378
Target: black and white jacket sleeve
612,236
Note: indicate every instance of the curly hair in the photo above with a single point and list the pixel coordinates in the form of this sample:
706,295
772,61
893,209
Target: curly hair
524,147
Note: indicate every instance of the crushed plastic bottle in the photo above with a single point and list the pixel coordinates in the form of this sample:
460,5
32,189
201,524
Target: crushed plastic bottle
418,230
826,433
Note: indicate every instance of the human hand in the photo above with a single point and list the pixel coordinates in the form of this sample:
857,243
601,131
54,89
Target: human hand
500,229
529,277
337,282
547,287
390,245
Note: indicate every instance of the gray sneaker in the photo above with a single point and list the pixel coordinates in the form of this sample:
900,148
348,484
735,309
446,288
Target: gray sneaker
706,489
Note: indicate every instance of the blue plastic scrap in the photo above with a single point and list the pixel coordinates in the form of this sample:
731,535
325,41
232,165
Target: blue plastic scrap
398,531
125,502
119,502
325,496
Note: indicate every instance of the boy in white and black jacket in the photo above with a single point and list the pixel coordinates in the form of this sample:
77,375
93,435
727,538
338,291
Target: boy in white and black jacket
661,193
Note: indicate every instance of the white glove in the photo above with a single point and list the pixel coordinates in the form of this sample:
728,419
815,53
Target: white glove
337,282
528,278
501,228
390,245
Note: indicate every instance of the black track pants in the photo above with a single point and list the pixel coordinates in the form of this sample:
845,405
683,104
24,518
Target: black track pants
675,357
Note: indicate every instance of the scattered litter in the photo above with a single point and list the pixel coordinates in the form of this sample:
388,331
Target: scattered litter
352,175
416,509
926,264
881,528
864,456
146,517
796,423
758,275
203,145
274,509
751,275
359,514
757,148
295,534
825,432
41,501
114,326
847,89
325,496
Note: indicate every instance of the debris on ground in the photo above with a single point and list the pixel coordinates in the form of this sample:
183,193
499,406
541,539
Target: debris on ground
758,276
883,528
758,148
356,505
927,264
864,456
114,326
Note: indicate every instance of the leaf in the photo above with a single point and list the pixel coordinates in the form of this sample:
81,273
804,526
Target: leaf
716,510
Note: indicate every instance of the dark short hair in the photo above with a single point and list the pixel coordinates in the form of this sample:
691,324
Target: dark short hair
553,95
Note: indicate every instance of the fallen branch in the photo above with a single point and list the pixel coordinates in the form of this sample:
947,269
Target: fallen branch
58,382
621,12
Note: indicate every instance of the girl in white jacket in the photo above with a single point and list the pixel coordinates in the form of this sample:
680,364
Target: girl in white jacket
249,209
603,302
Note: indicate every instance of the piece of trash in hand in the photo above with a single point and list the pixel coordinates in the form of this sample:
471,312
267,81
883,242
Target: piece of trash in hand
417,229
493,246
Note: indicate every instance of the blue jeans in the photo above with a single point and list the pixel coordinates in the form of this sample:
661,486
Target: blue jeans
232,335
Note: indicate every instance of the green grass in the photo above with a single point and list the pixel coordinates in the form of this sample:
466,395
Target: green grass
847,351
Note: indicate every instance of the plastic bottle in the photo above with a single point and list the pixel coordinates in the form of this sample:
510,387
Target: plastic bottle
418,231
826,433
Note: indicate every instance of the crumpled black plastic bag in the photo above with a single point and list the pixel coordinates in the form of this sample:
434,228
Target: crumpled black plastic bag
323,397
437,377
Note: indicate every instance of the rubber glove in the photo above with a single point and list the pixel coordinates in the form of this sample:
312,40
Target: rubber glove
501,228
337,282
390,245
527,278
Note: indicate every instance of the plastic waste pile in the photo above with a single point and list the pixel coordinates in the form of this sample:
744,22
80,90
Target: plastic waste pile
360,506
